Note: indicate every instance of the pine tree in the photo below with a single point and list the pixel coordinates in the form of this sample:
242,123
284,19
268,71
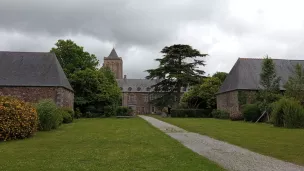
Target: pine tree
270,84
295,84
178,68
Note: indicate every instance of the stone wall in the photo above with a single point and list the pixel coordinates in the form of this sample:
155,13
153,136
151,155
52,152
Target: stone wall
61,96
229,102
139,102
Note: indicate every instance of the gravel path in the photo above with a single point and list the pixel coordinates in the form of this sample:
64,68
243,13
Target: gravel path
228,156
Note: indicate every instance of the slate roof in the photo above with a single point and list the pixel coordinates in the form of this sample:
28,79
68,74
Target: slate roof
245,74
40,69
140,85
113,54
137,85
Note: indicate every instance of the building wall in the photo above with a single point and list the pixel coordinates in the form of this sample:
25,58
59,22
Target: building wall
139,102
61,96
116,66
229,102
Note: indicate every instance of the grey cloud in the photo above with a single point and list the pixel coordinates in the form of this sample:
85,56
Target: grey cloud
122,21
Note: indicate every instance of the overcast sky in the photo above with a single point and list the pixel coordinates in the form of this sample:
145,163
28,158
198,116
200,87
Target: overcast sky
139,29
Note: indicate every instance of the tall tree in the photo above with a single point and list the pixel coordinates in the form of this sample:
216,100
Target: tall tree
73,57
295,84
178,68
270,84
221,75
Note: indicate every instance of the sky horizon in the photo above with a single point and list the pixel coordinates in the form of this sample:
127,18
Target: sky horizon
224,29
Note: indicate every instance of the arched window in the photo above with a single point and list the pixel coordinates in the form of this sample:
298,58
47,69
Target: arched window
129,89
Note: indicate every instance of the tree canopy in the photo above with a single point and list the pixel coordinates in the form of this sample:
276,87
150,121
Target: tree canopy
295,84
92,87
221,75
73,57
178,68
270,84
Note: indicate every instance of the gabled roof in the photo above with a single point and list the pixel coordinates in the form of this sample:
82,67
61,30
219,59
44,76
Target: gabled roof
113,54
40,69
245,74
140,85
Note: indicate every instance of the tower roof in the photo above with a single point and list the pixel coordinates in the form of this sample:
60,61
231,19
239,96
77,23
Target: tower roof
113,54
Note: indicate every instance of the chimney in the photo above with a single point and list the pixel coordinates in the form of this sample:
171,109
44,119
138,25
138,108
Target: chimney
125,76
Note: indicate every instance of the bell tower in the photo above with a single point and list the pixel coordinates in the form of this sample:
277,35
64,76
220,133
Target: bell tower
114,63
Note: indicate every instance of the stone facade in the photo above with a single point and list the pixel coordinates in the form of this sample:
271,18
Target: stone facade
232,101
61,96
229,102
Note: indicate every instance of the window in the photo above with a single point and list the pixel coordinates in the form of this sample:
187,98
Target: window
129,89
184,88
138,88
145,98
121,88
148,88
151,97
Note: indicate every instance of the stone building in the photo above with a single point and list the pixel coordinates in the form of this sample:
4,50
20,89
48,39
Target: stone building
136,93
243,81
32,76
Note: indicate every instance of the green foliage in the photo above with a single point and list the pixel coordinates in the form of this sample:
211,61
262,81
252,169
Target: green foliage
203,95
251,112
191,113
78,113
110,110
270,90
123,111
220,114
178,68
18,120
288,113
73,58
220,75
295,84
67,114
93,88
49,117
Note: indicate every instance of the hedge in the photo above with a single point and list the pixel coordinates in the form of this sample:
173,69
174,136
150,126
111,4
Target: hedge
191,113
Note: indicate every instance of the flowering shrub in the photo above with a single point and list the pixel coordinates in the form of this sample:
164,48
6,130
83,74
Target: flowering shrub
18,119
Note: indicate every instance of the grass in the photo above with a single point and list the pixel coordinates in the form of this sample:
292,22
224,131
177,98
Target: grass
101,144
281,143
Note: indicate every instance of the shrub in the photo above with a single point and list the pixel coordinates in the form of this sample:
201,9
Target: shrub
49,116
194,113
109,110
251,112
77,113
18,119
288,113
123,111
67,115
220,114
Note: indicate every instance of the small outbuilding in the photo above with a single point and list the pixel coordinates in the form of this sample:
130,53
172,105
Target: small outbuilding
33,76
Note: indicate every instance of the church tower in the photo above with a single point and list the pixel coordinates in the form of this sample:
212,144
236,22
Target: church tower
114,63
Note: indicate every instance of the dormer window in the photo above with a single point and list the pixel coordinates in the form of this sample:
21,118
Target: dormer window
129,89
138,88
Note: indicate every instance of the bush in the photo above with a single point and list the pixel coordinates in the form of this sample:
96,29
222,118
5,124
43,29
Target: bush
193,113
77,113
123,111
251,112
109,110
220,114
288,113
67,115
49,116
18,120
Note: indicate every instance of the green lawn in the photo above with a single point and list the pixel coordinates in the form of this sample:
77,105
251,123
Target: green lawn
281,143
101,144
